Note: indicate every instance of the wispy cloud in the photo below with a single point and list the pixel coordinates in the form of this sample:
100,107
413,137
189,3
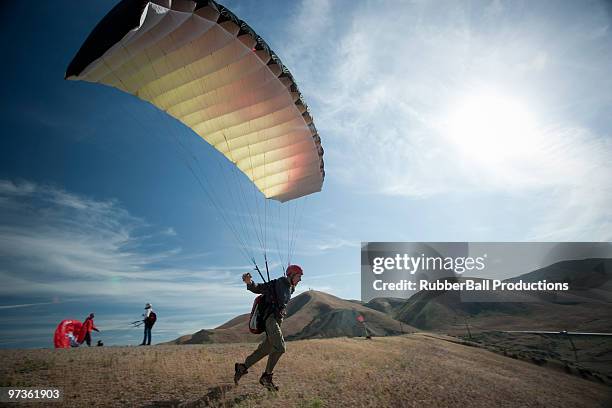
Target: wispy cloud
337,243
53,242
391,85
5,307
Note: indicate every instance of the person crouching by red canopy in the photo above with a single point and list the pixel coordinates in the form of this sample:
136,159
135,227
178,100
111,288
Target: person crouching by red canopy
85,332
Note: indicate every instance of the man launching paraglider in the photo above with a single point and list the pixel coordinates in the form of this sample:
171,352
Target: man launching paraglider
277,294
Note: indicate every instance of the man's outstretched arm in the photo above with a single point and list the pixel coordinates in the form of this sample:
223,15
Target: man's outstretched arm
252,286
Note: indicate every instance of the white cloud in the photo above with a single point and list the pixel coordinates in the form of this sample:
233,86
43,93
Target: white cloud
5,307
309,29
57,243
384,89
336,243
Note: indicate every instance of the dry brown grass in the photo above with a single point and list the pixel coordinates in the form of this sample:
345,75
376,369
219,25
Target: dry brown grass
408,371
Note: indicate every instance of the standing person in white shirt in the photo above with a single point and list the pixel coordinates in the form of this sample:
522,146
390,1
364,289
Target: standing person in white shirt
149,320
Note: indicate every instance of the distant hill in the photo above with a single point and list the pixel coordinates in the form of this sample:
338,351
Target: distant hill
587,306
437,309
321,315
312,314
588,279
387,305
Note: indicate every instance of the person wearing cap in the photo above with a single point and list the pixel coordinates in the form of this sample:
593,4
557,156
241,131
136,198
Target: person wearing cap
277,294
148,325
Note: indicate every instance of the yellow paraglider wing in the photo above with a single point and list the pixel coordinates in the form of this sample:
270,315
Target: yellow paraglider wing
201,64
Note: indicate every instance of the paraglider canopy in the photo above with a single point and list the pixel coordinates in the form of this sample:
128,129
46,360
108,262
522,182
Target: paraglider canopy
202,65
207,68
72,333
66,333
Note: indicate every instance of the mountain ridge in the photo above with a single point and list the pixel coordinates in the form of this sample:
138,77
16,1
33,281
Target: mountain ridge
311,314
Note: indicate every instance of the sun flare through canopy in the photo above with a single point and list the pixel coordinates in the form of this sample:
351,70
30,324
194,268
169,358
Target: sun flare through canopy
205,67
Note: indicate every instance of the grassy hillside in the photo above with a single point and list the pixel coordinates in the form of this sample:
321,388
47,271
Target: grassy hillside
415,370
587,307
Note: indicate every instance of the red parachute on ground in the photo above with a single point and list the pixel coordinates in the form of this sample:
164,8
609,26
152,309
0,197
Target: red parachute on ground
67,333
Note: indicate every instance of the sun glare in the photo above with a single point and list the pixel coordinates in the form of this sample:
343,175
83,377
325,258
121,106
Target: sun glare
492,127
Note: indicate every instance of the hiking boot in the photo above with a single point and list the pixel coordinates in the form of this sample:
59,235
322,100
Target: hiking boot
239,371
266,381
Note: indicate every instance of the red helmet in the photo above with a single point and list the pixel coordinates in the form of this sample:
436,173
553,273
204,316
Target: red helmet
294,270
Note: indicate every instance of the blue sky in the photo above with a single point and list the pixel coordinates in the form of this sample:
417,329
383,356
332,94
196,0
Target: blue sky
441,121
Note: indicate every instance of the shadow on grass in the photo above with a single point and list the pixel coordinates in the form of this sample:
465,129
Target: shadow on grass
215,397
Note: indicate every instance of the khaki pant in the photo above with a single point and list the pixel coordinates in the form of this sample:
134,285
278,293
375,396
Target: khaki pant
273,345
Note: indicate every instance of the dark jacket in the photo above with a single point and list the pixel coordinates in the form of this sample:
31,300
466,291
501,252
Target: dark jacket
277,294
